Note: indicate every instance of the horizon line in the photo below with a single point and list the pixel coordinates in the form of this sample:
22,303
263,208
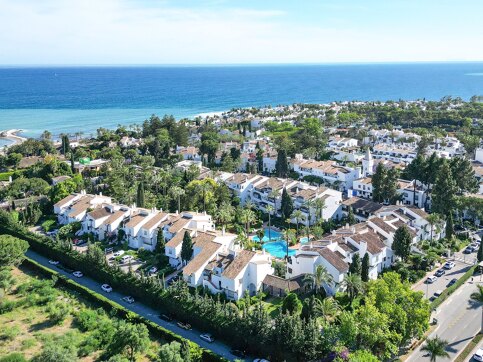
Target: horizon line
34,65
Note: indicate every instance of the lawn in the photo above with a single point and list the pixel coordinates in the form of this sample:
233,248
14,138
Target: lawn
30,326
272,305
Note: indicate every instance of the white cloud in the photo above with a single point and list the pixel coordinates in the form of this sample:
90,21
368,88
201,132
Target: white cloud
119,32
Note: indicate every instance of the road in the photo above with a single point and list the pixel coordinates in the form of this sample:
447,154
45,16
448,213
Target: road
459,319
139,308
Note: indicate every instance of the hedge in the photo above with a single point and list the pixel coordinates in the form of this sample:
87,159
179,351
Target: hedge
448,291
4,176
108,305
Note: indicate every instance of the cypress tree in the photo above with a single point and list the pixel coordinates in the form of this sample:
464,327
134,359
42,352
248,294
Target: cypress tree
479,255
444,190
355,266
365,268
402,242
287,204
350,216
72,162
140,195
186,247
449,226
378,183
281,166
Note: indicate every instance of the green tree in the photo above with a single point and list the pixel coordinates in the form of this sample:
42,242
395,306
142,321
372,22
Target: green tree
479,255
298,216
351,219
270,209
478,298
320,277
365,268
329,309
355,266
12,250
353,285
291,304
415,172
378,180
363,356
433,220
171,352
444,190
286,205
187,247
449,229
225,214
464,175
247,217
140,202
13,357
402,242
436,347
176,193
281,165
54,352
130,339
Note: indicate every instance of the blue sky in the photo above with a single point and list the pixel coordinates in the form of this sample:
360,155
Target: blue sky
232,31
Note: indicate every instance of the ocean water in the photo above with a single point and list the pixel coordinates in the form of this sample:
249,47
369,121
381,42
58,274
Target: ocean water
82,99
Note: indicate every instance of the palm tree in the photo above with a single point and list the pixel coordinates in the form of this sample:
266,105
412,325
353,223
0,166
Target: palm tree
353,285
320,277
478,297
432,219
242,239
247,217
310,204
176,193
274,194
204,187
297,215
328,308
225,214
289,236
270,209
436,347
319,207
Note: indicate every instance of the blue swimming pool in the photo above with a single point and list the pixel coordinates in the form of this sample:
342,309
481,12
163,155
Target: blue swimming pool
278,249
274,236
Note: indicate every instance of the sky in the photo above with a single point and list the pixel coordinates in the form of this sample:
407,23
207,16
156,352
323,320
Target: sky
76,32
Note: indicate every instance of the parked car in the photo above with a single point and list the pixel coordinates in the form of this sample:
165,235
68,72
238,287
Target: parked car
451,282
478,356
128,299
54,262
449,265
438,293
126,259
119,253
166,317
207,337
186,326
431,279
468,250
78,274
238,353
440,273
152,270
106,287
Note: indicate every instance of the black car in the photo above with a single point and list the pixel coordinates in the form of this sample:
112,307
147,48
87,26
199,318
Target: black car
166,317
440,272
468,250
451,282
238,353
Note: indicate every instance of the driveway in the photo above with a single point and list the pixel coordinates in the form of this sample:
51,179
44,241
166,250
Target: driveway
139,308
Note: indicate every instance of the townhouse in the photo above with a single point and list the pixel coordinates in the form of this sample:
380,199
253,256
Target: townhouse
394,153
75,207
339,143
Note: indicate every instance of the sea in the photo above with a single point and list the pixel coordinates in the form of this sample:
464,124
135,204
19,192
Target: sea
66,99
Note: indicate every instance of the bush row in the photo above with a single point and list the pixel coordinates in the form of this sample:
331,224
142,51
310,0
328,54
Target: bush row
108,305
448,291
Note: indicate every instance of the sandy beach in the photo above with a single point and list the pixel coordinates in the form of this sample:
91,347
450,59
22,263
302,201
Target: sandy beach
11,135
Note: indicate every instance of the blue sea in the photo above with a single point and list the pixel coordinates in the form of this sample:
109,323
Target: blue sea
82,99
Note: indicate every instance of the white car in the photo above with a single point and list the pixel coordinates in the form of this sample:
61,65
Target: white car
78,274
106,287
119,253
449,265
54,262
431,279
128,299
152,270
207,337
478,356
126,258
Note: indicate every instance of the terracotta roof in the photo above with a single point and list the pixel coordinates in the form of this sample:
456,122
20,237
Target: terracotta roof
178,225
155,220
334,260
241,260
283,284
380,223
114,217
65,200
177,239
359,204
208,249
80,206
99,213
418,211
135,220
374,242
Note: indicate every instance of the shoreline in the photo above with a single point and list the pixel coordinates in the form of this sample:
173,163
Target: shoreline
12,136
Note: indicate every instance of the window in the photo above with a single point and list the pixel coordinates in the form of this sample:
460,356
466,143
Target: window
290,270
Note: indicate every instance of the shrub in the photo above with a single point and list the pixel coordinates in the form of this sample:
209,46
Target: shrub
13,357
7,306
9,333
49,225
58,311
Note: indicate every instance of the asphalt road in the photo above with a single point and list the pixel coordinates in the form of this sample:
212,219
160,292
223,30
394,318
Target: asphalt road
141,309
459,319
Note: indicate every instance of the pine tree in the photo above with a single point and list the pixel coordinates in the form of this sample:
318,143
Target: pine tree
449,226
378,183
390,185
464,175
287,204
402,242
140,195
355,265
281,166
351,219
186,247
365,268
444,190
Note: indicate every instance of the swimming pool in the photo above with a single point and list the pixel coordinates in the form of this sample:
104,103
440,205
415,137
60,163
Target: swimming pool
274,235
278,249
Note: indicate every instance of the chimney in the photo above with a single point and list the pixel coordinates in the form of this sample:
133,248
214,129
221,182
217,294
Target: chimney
10,179
346,226
223,230
100,193
353,229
